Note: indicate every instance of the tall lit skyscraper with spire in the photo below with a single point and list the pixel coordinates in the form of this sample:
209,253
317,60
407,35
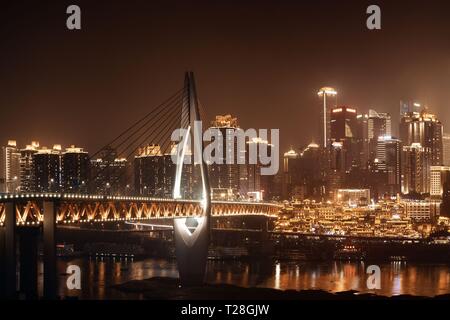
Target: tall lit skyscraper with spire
326,93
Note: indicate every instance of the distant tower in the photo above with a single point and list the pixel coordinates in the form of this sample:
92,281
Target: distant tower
325,93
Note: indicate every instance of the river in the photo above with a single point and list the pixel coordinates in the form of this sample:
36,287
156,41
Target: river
98,275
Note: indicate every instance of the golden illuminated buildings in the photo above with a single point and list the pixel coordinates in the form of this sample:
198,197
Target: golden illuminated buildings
353,197
10,168
421,210
438,177
344,154
379,125
47,169
226,175
326,94
252,184
446,149
415,169
109,173
290,167
423,128
388,155
154,173
75,170
27,178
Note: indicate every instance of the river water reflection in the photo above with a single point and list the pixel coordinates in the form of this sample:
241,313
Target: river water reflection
396,278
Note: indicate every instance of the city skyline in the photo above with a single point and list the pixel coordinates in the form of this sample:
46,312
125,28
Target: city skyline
370,70
210,149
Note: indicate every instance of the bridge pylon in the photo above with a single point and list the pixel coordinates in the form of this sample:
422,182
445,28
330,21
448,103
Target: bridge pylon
192,234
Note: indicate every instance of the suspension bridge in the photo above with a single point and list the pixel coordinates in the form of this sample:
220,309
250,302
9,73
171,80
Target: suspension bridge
180,192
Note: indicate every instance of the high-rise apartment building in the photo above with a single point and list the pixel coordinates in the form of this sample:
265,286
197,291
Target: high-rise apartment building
10,168
154,173
379,125
423,128
446,149
226,176
47,169
109,173
388,155
344,130
75,170
290,172
27,177
416,169
438,177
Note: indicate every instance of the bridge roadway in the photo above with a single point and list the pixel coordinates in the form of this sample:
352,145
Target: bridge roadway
82,208
23,215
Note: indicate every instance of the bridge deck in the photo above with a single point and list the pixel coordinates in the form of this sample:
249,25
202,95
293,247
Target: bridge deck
79,208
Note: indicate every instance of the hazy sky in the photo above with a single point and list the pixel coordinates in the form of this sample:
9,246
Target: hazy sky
262,61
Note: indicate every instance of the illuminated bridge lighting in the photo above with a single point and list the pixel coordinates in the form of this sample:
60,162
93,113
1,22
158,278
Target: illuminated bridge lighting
76,208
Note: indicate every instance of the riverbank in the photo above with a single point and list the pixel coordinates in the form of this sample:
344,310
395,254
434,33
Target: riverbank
163,288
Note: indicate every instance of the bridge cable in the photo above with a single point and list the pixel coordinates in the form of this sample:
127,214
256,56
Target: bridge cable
176,94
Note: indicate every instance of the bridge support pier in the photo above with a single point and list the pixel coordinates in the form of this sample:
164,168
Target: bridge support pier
191,248
8,253
49,242
29,238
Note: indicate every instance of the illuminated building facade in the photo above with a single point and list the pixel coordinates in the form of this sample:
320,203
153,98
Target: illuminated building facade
421,210
251,183
154,173
426,129
328,96
75,170
27,178
388,154
353,197
438,177
290,172
379,125
416,169
10,168
109,174
344,130
226,175
47,169
446,149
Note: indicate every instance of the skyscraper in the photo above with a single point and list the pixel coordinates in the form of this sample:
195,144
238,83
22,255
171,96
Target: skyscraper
363,140
378,125
226,176
445,205
154,173
446,149
423,128
10,168
27,178
109,173
310,173
47,169
389,151
329,100
416,169
336,175
75,170
407,107
251,181
290,168
438,177
344,130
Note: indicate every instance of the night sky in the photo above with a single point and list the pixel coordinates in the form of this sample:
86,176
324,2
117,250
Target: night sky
261,61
